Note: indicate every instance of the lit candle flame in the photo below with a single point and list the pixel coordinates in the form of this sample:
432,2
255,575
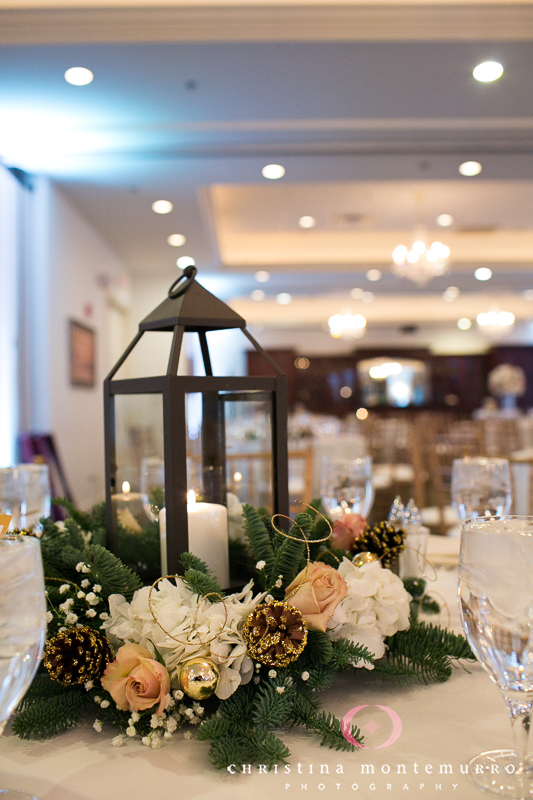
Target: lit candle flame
191,497
126,488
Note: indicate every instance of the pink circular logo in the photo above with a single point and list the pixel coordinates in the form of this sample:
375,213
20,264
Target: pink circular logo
346,727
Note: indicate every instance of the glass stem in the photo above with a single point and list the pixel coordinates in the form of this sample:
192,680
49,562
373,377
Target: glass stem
520,714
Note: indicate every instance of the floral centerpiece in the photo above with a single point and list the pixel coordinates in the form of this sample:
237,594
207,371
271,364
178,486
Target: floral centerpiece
234,668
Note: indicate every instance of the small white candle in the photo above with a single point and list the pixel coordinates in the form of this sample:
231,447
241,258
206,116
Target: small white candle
208,536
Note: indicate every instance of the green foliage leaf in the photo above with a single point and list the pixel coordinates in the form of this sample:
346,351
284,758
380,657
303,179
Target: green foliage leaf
107,570
346,654
261,544
424,652
190,561
319,648
52,714
203,584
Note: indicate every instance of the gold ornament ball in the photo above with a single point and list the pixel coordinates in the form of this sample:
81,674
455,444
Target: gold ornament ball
364,558
199,678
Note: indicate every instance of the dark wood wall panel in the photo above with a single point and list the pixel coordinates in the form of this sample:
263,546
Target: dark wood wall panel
457,381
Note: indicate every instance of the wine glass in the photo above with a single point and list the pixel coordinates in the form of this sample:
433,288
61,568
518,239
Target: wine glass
347,485
153,486
495,595
22,626
481,487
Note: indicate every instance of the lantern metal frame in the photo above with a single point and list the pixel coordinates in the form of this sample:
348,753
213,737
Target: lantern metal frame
189,307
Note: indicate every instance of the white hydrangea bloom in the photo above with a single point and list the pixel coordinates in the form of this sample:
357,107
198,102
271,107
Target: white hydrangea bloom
176,606
376,606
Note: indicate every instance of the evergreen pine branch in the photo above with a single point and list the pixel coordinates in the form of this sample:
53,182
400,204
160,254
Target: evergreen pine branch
428,605
321,677
247,746
113,576
324,724
319,648
272,708
98,516
287,562
238,707
41,688
190,561
81,518
261,544
214,727
52,715
425,651
347,654
266,518
202,584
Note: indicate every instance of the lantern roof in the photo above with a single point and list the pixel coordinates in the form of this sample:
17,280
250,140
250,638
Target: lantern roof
189,304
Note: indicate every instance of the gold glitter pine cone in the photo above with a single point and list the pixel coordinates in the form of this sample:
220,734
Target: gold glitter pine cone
382,540
77,655
275,634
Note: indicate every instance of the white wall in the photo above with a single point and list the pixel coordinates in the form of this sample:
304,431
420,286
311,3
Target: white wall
71,270
11,200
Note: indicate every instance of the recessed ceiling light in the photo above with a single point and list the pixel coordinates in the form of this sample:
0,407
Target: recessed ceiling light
258,294
262,276
464,323
470,168
284,298
357,293
373,275
361,413
483,274
307,222
445,220
273,172
162,206
488,71
78,76
176,239
185,261
367,297
528,294
451,293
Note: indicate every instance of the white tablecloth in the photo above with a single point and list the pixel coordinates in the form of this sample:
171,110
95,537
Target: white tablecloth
443,726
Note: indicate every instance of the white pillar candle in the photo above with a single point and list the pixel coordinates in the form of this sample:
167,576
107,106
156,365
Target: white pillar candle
208,536
163,540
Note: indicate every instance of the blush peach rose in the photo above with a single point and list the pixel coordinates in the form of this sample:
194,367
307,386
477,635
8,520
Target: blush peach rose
136,681
320,591
346,530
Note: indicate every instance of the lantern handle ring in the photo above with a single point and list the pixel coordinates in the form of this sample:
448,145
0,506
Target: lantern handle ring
176,291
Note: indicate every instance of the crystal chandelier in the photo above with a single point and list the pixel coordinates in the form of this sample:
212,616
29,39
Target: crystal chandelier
422,262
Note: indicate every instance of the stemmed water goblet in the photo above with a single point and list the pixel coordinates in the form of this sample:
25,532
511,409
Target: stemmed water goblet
347,486
22,626
495,595
481,487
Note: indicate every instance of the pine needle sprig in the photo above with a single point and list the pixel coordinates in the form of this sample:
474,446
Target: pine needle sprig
51,715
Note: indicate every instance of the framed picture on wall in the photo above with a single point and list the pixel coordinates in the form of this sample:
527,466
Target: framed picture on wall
82,354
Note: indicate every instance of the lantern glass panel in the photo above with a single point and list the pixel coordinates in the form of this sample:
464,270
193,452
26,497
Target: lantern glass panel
149,357
248,435
139,483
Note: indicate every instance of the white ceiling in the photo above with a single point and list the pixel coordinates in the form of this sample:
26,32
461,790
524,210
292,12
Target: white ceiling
362,126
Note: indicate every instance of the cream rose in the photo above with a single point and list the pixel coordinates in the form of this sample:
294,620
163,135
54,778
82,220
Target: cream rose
135,680
316,592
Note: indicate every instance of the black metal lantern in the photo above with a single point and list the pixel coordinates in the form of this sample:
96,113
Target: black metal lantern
189,445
